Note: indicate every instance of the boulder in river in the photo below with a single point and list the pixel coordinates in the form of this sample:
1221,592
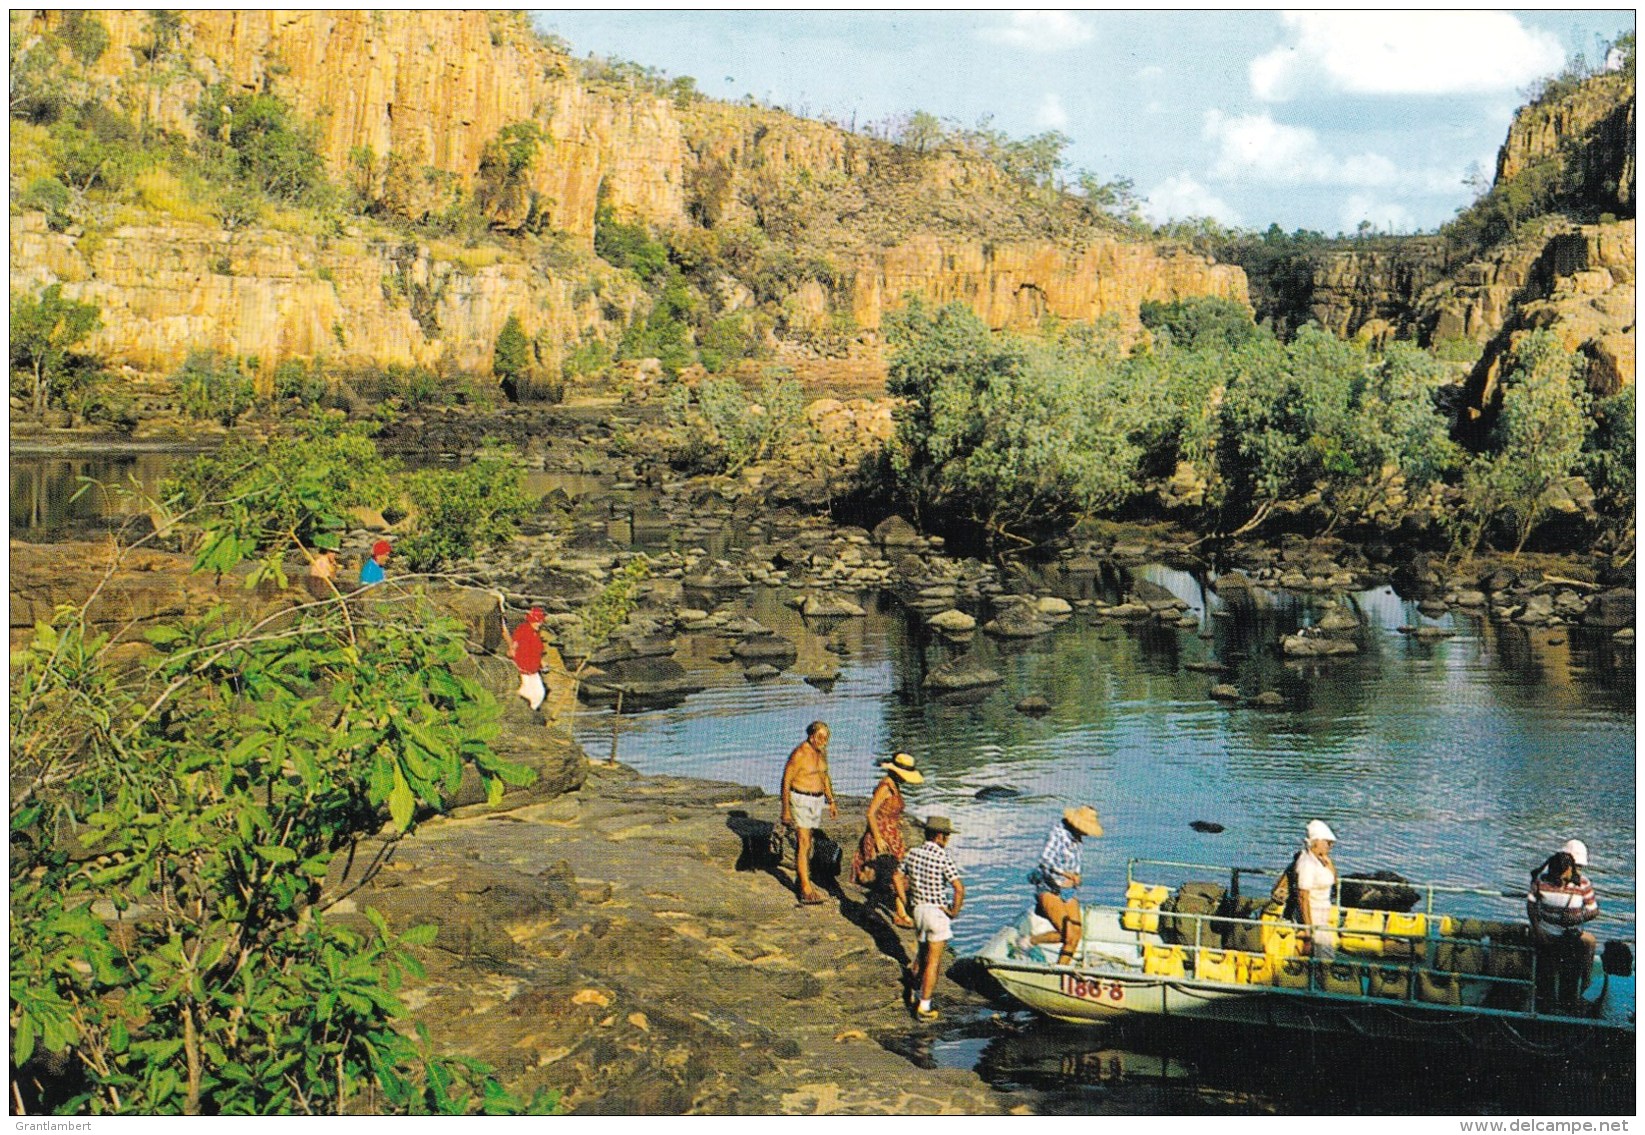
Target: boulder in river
714,575
815,606
963,673
761,671
952,621
1223,691
644,682
1268,699
1018,621
1315,646
1610,609
997,792
1034,705
766,648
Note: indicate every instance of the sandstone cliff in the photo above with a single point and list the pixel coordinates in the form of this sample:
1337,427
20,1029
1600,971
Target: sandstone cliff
431,90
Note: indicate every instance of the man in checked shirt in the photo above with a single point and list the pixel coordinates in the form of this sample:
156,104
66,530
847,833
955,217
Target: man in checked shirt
931,870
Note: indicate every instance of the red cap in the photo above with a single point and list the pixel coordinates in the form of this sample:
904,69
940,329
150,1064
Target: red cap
380,548
535,615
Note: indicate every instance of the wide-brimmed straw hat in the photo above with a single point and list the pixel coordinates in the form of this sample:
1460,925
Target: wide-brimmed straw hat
1083,820
902,767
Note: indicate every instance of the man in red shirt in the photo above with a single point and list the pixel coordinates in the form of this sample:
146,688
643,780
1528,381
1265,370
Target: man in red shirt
526,648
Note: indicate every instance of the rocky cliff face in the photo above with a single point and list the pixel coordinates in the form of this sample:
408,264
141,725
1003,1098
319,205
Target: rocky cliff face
433,89
1375,289
1582,288
1592,128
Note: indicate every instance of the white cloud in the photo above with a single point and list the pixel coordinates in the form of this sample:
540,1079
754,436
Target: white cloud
1153,71
1404,53
1179,197
1255,148
1384,216
1051,114
1040,30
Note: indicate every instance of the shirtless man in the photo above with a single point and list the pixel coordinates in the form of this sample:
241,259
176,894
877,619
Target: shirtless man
806,788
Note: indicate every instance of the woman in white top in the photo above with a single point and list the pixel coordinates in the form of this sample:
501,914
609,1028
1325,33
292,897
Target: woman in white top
1310,880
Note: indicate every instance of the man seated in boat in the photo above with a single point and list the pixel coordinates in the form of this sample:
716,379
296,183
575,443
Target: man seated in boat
1561,901
1056,877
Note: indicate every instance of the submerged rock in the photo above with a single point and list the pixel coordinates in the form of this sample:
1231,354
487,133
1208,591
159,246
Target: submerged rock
963,673
1316,646
1033,705
997,792
1018,621
829,607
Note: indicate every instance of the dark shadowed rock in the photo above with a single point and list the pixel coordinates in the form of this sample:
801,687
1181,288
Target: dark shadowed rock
643,682
997,792
1018,621
895,532
963,673
1206,826
1610,609
714,576
766,648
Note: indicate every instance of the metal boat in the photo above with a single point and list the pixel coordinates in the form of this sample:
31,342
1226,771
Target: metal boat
1418,974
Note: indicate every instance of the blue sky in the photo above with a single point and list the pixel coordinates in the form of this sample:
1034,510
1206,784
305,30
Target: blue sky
1309,119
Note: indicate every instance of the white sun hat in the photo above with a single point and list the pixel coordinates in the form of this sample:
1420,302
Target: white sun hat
1577,850
1319,829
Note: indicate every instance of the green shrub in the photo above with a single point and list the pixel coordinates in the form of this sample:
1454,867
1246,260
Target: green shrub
263,143
460,512
50,197
1200,322
300,382
213,386
724,429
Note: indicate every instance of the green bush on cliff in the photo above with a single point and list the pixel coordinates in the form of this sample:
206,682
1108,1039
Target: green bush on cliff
261,141
182,831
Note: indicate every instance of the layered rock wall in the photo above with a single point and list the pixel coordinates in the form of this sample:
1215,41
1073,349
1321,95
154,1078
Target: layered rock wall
435,87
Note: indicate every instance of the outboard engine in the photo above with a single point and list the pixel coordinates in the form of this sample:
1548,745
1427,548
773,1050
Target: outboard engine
1617,960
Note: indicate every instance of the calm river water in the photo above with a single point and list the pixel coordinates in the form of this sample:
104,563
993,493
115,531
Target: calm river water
1460,761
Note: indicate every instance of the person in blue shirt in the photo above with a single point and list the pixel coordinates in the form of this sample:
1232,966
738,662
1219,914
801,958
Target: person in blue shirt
371,572
1056,877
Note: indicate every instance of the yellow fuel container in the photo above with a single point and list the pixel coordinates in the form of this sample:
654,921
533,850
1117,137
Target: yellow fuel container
1164,961
1279,938
1142,904
1362,930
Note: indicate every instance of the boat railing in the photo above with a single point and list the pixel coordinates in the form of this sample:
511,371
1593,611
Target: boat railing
1429,958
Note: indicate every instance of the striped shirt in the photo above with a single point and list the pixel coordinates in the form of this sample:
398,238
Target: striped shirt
1060,859
930,869
1567,904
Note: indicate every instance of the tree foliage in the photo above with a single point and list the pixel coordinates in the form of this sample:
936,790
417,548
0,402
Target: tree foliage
259,501
175,821
262,140
213,386
44,331
724,429
458,512
1535,444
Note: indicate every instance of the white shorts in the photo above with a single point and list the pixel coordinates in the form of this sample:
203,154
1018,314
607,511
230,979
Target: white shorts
807,809
1325,944
931,923
531,689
